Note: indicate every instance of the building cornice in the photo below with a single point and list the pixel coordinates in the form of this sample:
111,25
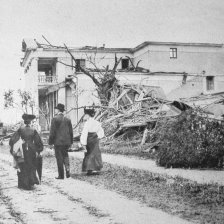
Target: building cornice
155,43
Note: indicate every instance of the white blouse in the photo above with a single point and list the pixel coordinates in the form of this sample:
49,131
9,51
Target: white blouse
91,125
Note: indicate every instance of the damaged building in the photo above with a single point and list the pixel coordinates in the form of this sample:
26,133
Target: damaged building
173,70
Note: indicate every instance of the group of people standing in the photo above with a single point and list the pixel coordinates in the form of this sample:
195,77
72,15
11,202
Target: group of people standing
61,138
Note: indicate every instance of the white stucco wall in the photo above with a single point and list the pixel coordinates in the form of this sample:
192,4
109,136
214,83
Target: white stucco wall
190,59
166,82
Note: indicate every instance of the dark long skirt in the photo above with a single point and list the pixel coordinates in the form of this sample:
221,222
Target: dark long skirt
92,160
27,170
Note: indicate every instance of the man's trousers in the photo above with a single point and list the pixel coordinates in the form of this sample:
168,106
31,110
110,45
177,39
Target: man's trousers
61,154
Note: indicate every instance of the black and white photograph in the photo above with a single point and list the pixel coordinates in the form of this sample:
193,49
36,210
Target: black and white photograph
112,112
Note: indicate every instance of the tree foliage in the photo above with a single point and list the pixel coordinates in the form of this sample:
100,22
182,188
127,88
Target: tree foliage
8,98
25,102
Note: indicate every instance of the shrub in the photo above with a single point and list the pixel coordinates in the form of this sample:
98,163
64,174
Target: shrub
191,140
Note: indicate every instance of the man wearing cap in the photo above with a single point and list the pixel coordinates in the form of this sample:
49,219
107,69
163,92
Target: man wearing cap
61,136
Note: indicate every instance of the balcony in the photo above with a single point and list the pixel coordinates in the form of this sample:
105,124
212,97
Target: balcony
47,80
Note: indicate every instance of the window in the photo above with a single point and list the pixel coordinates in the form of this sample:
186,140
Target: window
80,63
125,63
47,70
173,52
210,83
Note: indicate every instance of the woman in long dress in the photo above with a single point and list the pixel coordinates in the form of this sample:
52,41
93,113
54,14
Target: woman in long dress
32,146
91,133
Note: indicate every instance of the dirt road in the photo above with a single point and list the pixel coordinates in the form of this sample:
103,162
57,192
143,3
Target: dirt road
69,201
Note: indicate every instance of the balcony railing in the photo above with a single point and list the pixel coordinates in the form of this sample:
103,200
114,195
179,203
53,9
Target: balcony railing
43,79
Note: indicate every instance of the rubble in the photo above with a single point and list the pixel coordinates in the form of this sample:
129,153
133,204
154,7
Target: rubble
133,112
136,114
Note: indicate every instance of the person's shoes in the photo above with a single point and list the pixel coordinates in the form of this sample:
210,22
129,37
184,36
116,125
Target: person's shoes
68,174
92,172
59,178
89,172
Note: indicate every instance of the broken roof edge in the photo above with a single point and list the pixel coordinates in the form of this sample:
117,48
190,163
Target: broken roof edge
95,50
135,49
29,44
33,44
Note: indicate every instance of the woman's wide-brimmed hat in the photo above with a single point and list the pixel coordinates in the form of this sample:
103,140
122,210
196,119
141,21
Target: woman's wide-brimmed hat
60,107
28,117
90,112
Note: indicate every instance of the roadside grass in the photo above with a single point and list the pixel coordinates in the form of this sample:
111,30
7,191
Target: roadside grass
187,199
128,148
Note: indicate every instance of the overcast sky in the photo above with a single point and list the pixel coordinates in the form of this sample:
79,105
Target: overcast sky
115,23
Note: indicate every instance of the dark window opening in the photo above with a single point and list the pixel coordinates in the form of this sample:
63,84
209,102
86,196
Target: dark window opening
173,52
80,63
125,63
210,82
47,70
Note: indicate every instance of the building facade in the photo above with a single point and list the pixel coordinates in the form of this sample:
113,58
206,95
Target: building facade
51,77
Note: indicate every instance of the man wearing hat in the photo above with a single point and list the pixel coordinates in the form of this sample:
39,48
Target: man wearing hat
61,136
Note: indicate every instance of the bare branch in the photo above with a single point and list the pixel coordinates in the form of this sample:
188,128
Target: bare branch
72,66
138,63
82,69
115,65
97,69
77,108
46,40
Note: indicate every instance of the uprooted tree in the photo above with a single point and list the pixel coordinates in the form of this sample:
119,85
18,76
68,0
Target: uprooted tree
105,79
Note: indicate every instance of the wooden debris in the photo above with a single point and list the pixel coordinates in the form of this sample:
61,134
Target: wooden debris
144,136
133,108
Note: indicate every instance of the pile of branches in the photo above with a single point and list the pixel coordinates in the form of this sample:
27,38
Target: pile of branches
126,109
133,113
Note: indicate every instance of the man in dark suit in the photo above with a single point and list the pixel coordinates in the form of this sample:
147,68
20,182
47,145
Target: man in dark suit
61,136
